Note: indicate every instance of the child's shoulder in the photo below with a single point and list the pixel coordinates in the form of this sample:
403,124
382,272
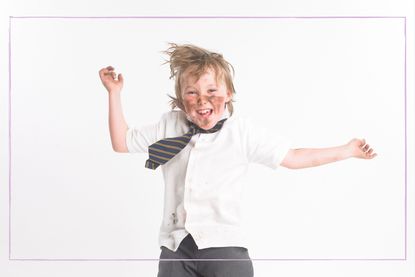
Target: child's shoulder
239,118
173,117
246,122
173,114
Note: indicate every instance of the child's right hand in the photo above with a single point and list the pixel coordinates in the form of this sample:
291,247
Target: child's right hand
108,78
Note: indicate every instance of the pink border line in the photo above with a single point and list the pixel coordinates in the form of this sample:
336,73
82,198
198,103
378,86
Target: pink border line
406,154
10,140
208,17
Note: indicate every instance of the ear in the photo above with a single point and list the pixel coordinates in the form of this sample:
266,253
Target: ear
228,96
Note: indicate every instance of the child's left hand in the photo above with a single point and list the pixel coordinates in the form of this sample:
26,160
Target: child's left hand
358,148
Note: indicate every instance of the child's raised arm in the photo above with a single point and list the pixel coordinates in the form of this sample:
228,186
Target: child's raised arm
117,125
309,157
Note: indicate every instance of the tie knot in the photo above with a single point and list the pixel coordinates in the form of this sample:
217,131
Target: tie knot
196,129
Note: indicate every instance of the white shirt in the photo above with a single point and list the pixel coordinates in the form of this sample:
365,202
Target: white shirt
204,181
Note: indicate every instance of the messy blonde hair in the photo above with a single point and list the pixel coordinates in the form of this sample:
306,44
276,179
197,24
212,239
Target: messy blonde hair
195,61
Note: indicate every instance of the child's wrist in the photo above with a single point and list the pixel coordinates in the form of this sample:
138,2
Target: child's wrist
114,92
347,151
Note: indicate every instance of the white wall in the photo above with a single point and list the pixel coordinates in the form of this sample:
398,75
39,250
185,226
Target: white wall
318,81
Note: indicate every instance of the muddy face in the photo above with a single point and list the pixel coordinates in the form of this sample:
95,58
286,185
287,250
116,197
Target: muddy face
204,100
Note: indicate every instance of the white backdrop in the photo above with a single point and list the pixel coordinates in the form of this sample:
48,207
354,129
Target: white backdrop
318,81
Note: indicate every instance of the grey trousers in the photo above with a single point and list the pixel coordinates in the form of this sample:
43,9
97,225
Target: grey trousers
201,263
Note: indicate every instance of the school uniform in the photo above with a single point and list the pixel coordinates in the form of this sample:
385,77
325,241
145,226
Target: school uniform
204,186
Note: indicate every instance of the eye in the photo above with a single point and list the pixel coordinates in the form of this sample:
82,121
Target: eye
190,92
212,90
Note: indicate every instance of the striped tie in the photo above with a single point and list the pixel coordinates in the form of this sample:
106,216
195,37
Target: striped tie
163,150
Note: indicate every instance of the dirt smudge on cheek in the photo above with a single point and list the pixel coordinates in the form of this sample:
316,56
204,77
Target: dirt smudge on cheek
217,101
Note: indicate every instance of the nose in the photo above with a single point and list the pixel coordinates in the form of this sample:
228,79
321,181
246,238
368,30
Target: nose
202,99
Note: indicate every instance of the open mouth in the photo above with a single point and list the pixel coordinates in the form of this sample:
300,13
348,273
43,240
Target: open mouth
205,112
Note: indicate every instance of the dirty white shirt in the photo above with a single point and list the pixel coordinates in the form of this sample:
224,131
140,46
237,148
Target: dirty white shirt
204,182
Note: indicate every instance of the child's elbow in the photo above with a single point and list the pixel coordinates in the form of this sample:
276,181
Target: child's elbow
289,160
120,149
290,165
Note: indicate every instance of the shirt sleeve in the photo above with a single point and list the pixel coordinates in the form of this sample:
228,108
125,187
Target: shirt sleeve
139,138
265,146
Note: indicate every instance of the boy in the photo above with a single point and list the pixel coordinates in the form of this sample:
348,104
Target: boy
204,152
